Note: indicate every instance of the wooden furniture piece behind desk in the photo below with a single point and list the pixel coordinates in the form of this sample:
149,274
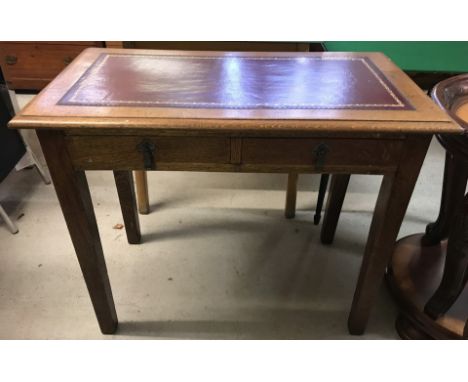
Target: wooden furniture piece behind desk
31,65
335,113
428,273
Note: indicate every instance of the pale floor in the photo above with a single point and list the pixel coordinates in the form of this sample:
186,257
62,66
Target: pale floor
217,260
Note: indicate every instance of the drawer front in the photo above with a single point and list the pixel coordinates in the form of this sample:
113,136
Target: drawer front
34,65
317,155
131,152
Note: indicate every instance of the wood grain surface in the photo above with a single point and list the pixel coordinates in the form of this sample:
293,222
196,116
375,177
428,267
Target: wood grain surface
45,112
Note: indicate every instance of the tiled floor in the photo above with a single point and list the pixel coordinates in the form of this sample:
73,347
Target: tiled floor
218,259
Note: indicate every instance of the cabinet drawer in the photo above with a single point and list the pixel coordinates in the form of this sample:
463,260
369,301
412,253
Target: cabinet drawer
33,65
315,154
168,153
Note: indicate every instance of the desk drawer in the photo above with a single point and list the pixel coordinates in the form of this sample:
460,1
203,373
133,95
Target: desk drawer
315,154
125,152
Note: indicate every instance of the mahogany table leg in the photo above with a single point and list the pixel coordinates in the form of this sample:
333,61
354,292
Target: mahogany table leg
392,202
141,181
455,178
456,265
74,197
338,186
126,192
321,196
291,194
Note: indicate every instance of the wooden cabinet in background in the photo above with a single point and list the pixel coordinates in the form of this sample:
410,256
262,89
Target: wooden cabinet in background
233,46
32,65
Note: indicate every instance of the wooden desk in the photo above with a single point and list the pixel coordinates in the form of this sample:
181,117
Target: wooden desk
126,110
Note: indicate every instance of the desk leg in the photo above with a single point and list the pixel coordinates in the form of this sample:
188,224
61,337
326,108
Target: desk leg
291,194
141,180
336,195
126,192
74,197
321,197
394,196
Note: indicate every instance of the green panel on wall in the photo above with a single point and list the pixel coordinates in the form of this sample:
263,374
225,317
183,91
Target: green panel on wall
439,56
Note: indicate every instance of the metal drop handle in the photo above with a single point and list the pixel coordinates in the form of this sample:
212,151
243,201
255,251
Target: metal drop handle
147,148
11,60
320,153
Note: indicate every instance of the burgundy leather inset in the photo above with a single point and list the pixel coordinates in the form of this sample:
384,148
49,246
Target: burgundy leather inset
235,82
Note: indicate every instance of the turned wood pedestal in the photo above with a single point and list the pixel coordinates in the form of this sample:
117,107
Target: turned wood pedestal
428,273
413,277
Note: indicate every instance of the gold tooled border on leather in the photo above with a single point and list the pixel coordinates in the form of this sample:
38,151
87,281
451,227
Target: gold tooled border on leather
401,103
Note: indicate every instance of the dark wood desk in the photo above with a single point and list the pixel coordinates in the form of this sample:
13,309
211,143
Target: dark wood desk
336,113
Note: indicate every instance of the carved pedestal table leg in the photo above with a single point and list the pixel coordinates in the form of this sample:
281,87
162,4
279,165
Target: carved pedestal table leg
456,265
454,184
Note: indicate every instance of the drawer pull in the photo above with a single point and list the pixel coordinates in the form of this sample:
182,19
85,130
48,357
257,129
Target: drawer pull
147,148
320,153
11,60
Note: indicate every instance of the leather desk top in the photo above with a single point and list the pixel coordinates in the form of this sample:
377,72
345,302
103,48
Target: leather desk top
234,82
114,88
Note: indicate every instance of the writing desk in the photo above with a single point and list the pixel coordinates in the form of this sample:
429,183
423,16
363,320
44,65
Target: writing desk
337,113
